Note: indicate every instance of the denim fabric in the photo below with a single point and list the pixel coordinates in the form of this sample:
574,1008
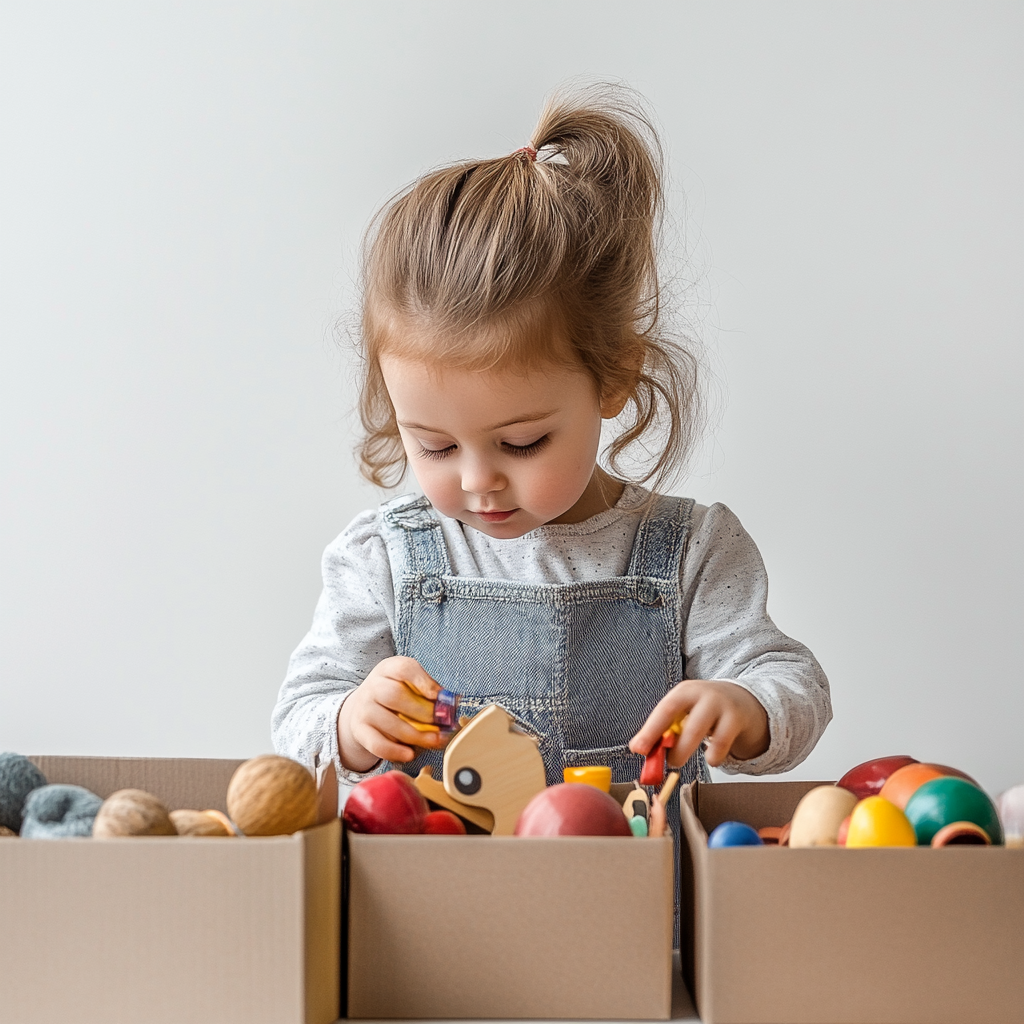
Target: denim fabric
578,665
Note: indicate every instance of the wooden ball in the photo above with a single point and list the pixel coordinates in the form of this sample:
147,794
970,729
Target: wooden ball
819,814
200,823
7,833
272,796
132,812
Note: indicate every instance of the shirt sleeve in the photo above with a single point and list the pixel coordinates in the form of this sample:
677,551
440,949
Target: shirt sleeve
352,631
729,635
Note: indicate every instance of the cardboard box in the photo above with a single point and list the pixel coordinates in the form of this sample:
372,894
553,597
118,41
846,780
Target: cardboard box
169,929
870,936
500,927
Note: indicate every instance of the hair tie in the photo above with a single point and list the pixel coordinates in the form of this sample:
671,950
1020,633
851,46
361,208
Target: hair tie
530,152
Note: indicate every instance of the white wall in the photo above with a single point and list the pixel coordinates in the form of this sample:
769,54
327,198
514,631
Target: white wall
182,189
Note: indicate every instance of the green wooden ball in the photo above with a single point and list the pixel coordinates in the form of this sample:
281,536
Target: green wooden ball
940,802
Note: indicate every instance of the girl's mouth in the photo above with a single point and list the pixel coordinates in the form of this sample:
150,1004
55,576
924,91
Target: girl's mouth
496,517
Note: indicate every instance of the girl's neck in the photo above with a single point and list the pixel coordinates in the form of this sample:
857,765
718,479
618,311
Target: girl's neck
601,494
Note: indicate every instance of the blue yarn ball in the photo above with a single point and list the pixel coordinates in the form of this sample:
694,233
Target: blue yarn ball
59,811
18,777
734,833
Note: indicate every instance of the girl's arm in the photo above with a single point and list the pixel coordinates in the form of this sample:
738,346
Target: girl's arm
351,633
734,652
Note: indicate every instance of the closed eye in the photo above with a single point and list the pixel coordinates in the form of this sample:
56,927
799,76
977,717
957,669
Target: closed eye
523,451
437,453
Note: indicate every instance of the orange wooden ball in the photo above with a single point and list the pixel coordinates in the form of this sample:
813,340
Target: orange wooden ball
272,796
905,782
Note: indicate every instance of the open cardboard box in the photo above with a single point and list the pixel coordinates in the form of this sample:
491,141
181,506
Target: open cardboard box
870,936
169,929
500,927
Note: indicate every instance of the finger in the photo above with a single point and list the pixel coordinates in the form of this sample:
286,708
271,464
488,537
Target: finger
382,746
396,696
700,721
720,741
415,676
389,724
668,710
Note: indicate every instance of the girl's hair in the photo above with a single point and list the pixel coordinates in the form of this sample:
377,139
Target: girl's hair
547,254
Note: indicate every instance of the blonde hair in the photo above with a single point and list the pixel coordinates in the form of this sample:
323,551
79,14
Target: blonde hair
547,254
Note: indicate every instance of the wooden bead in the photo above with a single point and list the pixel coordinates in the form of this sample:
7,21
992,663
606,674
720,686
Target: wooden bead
6,833
200,823
132,812
272,796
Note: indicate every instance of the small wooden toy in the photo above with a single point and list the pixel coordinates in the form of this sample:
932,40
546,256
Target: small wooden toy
819,814
272,796
202,823
653,772
659,822
132,812
1011,813
961,833
868,778
436,794
876,822
943,801
491,764
446,714
570,809
597,775
733,833
637,804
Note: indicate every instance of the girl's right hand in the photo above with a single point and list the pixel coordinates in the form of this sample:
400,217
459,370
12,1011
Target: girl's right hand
369,728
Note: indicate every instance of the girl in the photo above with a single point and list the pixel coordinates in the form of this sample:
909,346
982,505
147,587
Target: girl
511,307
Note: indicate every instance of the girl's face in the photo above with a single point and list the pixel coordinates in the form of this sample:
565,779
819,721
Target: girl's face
503,451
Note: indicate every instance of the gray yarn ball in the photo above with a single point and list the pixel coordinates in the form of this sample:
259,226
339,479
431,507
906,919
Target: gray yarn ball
59,811
18,777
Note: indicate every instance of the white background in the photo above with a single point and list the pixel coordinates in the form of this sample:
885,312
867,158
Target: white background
182,191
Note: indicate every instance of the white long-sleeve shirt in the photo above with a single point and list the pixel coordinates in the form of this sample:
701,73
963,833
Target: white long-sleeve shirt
727,632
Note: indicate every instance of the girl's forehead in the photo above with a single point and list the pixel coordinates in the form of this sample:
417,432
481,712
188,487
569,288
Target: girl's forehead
428,393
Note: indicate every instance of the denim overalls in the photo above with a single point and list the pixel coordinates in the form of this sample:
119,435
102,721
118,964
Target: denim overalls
578,665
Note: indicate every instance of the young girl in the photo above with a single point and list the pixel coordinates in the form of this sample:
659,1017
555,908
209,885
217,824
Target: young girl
510,308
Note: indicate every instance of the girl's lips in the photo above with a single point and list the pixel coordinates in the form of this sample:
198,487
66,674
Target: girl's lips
496,517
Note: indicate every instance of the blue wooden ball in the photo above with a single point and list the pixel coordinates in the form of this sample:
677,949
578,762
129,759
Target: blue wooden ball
18,777
734,833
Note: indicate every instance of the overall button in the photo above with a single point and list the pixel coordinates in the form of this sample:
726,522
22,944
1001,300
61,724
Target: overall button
649,594
432,588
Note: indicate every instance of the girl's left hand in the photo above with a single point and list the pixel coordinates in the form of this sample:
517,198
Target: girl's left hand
731,718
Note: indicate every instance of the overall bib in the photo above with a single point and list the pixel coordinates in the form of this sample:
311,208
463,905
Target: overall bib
578,665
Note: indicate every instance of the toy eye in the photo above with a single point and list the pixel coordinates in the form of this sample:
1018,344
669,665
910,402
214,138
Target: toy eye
468,781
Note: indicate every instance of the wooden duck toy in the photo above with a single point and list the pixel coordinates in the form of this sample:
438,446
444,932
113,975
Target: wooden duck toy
491,772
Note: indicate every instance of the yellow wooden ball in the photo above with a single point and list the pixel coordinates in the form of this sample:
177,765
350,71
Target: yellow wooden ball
876,822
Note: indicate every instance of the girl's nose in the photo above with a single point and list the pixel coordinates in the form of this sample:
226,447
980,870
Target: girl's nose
480,477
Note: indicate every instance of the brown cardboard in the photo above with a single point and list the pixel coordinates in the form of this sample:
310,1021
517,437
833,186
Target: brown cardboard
871,936
502,927
169,929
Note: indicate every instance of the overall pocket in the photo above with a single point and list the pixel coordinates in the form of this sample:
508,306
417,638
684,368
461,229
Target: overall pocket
625,765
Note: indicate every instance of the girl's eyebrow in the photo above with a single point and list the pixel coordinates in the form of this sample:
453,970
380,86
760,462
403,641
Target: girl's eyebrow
497,426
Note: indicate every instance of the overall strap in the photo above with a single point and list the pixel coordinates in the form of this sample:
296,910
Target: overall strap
413,526
661,537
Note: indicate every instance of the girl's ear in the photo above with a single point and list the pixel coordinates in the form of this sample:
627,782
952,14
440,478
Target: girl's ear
613,404
615,396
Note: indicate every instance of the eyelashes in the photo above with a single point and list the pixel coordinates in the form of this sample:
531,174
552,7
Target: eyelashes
519,451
